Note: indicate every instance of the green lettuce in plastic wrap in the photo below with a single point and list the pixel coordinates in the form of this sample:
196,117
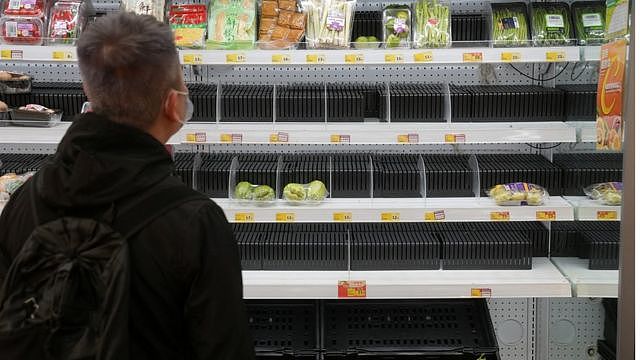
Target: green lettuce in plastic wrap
231,24
264,193
294,192
244,191
301,193
316,191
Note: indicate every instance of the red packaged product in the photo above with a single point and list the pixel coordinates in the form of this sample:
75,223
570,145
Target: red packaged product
21,31
65,22
24,8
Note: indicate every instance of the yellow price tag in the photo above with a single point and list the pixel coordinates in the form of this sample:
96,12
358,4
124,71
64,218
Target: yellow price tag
455,138
245,217
393,58
280,59
556,56
423,57
280,137
434,215
61,55
342,216
11,54
231,138
354,58
5,54
285,217
198,137
236,58
191,59
546,215
472,57
337,139
408,139
481,292
500,216
607,215
316,59
390,216
510,56
191,137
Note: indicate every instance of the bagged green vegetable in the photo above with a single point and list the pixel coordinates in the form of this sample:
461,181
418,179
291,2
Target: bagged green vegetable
231,24
329,23
510,27
589,22
432,20
396,27
551,24
310,193
244,190
607,193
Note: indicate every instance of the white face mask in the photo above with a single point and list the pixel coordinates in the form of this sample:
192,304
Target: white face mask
189,105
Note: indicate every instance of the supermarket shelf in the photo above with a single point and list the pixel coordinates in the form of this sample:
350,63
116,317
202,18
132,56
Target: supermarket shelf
544,280
585,130
590,53
329,57
588,283
591,210
354,133
403,210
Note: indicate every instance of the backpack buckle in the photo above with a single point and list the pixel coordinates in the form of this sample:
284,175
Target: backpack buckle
30,307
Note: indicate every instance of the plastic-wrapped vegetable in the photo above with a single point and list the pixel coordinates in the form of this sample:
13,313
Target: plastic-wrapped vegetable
432,24
259,193
329,23
189,25
609,193
65,21
520,193
231,24
312,192
21,30
510,26
155,8
33,8
396,26
282,24
589,21
551,24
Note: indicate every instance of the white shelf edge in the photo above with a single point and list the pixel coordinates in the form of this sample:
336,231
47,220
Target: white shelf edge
591,210
585,282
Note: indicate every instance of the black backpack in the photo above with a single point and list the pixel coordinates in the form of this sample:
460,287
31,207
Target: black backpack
66,295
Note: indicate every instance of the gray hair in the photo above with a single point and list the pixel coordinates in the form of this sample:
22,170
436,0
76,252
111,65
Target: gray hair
128,63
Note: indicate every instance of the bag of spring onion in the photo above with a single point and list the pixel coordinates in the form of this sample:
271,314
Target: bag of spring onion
589,21
329,23
551,24
510,25
432,20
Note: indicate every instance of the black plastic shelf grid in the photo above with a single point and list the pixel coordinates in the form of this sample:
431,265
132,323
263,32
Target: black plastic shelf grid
367,23
506,103
468,27
305,251
212,175
286,330
394,251
300,102
417,102
67,97
251,248
304,168
428,329
448,175
355,102
580,104
567,236
246,103
184,163
397,176
508,168
350,176
580,170
21,163
602,249
204,101
258,169
480,250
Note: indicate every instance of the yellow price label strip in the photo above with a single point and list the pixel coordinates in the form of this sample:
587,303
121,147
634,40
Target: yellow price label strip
499,216
438,215
11,54
280,59
198,137
352,289
393,58
192,59
285,217
390,216
454,138
408,139
354,58
423,57
342,216
556,56
481,292
231,138
510,56
340,139
61,55
280,137
5,54
546,215
236,58
607,215
316,59
472,57
245,217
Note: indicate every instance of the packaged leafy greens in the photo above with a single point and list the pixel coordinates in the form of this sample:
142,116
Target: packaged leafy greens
509,24
396,26
551,24
432,24
231,24
589,22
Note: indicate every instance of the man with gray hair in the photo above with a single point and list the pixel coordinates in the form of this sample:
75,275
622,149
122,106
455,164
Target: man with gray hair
184,279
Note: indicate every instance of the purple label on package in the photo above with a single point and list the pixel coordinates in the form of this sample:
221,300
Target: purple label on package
616,185
517,187
28,4
400,25
25,29
335,20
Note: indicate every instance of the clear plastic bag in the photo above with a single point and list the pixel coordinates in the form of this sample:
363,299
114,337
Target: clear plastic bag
34,8
329,23
589,22
314,192
609,193
66,21
510,25
432,20
520,193
21,30
231,24
551,24
189,25
282,24
245,191
155,8
396,26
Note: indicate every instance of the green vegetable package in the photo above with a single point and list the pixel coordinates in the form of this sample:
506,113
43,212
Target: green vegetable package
510,26
246,191
397,26
231,24
589,22
432,24
314,191
551,24
329,23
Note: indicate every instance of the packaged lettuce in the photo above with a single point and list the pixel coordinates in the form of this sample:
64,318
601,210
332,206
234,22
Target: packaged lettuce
300,194
551,25
609,193
510,25
432,24
520,193
245,191
589,22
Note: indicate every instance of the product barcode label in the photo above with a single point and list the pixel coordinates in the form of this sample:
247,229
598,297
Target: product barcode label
591,20
14,4
434,215
11,28
510,23
554,21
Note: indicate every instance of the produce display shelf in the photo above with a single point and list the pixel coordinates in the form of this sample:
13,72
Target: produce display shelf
585,282
321,133
543,280
330,57
590,53
585,130
397,210
591,210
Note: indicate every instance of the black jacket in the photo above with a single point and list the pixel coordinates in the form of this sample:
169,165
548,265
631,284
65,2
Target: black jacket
186,285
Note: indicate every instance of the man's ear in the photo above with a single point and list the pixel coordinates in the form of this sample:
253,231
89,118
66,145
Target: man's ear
170,108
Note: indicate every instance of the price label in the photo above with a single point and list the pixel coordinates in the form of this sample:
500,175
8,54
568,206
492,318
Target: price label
354,58
393,58
352,289
245,217
236,58
454,138
607,215
472,57
191,59
556,56
390,216
280,59
316,59
231,138
280,137
11,54
408,139
340,139
423,57
499,216
437,215
198,137
511,56
481,292
285,217
61,55
546,215
342,216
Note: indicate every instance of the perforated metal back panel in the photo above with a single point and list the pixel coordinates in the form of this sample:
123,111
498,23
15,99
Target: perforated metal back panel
514,323
575,325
